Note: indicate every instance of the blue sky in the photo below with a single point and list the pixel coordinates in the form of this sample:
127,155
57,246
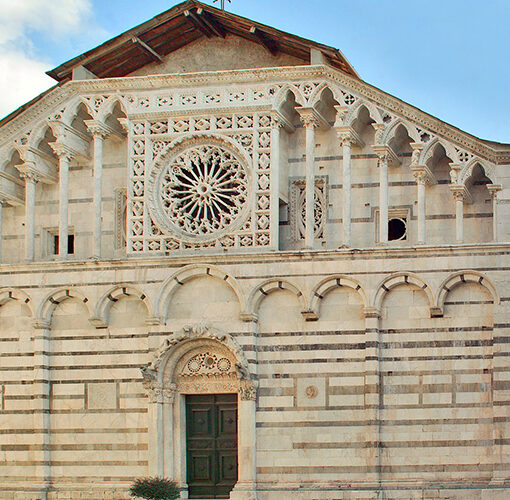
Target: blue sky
450,58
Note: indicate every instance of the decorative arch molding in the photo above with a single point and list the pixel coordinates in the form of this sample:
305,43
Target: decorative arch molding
102,313
343,98
429,149
332,283
467,171
265,289
197,360
9,294
161,375
106,107
354,110
188,273
398,279
281,96
48,305
390,131
36,135
458,278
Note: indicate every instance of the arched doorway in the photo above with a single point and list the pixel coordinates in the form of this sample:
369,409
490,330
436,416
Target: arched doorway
202,397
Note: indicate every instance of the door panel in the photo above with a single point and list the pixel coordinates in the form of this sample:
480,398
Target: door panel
211,445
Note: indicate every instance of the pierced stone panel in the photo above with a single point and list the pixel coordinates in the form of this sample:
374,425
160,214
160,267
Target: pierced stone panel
199,182
201,191
298,208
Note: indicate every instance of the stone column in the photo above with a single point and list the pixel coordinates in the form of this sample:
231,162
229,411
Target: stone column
65,155
2,203
310,122
99,132
383,199
494,189
31,179
423,177
348,138
245,488
275,182
460,195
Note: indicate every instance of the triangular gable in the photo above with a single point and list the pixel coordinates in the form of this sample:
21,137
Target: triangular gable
154,40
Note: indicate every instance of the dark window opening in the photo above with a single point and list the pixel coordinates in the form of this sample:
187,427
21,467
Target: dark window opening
397,229
70,244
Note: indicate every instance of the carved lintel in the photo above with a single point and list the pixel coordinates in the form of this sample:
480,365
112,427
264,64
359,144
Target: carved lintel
386,154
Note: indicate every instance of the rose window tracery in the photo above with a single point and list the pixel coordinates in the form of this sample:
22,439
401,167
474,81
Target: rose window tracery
202,190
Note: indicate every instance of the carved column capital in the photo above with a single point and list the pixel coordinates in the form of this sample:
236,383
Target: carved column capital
348,136
461,193
28,172
310,117
423,175
63,151
494,189
98,128
386,154
248,391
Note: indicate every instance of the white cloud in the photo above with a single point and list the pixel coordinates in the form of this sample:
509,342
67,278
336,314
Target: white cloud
22,69
54,17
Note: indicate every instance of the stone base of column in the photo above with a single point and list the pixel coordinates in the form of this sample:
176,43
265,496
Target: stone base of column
244,491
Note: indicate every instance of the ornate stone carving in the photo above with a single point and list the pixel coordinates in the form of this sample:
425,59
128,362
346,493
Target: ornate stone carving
202,190
298,208
248,392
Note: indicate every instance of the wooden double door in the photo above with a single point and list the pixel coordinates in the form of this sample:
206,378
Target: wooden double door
211,445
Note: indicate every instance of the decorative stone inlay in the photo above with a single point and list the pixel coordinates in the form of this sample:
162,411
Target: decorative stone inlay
311,392
207,364
298,209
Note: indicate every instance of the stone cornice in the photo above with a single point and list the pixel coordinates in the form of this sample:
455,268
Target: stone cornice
54,98
237,258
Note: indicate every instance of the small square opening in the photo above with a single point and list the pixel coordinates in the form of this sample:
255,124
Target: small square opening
70,244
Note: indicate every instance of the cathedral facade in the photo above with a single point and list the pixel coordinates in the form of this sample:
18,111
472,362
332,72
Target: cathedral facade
228,260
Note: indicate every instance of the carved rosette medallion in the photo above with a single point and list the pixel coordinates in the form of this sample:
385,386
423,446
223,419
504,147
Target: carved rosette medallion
201,191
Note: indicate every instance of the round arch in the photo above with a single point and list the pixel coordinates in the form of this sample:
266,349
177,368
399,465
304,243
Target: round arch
460,277
48,305
327,285
8,294
105,303
268,287
197,360
398,279
186,274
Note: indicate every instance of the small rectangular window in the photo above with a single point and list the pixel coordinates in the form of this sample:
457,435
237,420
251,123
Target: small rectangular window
70,244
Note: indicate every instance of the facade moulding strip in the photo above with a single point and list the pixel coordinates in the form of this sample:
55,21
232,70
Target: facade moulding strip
285,74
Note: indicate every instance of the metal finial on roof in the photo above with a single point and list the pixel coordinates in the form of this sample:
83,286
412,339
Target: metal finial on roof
223,3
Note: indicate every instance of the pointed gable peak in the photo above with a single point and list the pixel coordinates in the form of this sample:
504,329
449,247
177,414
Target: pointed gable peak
158,39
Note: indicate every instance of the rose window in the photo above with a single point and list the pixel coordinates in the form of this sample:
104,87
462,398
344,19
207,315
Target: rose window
203,189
